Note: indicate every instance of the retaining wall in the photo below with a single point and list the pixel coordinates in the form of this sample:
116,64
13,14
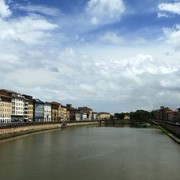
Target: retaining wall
13,130
17,131
173,128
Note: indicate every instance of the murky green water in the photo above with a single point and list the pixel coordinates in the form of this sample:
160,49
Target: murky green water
91,154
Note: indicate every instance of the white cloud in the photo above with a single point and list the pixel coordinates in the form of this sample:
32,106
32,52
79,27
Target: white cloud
172,36
80,79
162,14
139,41
31,29
170,7
39,9
106,78
143,63
38,77
94,21
28,30
4,9
169,84
105,11
112,38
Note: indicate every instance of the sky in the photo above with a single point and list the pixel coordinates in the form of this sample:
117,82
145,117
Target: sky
109,55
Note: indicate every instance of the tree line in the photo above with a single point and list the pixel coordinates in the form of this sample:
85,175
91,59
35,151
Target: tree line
138,115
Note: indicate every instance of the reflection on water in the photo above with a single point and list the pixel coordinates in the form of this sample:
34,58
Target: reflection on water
91,153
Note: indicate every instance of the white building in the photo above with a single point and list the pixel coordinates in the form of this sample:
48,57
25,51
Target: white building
18,106
47,111
94,116
84,116
86,113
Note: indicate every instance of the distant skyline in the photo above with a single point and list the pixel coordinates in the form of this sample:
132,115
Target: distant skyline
109,55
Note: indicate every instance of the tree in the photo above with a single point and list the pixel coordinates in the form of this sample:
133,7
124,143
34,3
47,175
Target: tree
139,115
119,115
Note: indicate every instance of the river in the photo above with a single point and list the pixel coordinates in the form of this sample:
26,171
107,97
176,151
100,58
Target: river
91,153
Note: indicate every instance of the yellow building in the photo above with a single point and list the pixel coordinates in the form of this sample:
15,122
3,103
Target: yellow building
18,104
103,115
126,117
55,109
28,108
63,113
5,108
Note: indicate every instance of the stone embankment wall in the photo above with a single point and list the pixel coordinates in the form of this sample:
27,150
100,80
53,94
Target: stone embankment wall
13,130
173,128
17,131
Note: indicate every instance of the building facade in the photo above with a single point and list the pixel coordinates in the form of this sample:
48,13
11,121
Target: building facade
38,110
86,113
55,110
84,116
5,109
63,113
47,111
28,108
74,114
94,116
166,114
103,115
18,104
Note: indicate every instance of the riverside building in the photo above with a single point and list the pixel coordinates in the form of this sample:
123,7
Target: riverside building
38,110
5,109
28,108
47,111
55,111
63,113
17,103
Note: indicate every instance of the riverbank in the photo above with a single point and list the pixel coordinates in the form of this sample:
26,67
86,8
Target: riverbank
172,133
171,130
15,130
168,133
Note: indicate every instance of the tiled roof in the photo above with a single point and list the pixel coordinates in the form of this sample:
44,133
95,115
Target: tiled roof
5,96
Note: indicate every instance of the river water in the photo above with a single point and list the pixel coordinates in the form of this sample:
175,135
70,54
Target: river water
91,153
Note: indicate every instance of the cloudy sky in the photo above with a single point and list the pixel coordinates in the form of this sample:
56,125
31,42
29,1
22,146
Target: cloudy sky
110,55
